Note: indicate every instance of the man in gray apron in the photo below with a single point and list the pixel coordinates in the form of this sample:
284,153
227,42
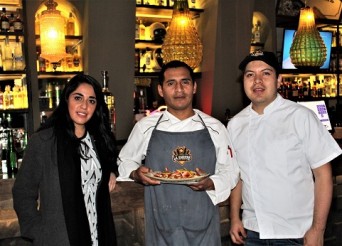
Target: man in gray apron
180,137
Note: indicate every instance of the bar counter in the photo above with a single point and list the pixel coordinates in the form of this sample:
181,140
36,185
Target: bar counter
127,206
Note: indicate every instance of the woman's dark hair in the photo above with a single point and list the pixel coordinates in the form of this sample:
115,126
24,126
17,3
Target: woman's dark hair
174,64
98,126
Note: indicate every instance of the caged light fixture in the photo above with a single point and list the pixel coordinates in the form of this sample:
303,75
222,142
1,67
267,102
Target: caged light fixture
52,36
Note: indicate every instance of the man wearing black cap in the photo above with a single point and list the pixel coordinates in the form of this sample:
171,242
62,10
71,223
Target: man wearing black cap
279,145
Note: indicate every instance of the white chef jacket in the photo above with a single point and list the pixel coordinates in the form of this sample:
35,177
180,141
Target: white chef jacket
276,152
226,171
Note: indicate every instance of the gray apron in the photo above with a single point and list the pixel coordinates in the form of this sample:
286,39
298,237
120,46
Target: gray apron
175,214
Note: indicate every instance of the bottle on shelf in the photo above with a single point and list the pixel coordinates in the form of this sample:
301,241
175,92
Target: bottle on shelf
70,25
137,30
25,95
11,20
12,164
18,57
148,57
49,95
110,100
142,100
295,91
319,88
326,87
333,85
160,2
3,144
57,94
300,89
8,56
76,61
137,60
1,58
257,34
1,101
5,25
17,100
69,59
142,30
18,23
8,98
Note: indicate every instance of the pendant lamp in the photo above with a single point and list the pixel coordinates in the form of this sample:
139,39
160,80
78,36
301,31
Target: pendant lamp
308,49
52,36
182,40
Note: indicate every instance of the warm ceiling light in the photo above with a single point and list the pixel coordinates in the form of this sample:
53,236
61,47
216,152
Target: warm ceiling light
182,40
52,36
308,48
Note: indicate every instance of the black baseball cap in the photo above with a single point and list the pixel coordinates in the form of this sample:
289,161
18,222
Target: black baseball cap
265,56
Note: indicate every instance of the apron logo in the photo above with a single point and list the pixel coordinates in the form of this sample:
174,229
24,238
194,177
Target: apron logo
181,155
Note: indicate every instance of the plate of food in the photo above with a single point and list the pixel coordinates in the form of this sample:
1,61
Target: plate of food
178,176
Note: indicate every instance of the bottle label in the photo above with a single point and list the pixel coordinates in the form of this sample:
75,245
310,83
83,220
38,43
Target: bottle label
5,25
18,26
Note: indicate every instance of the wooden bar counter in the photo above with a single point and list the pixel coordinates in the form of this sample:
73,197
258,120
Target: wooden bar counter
128,211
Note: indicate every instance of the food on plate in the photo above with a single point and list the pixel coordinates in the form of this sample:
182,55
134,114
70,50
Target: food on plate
179,174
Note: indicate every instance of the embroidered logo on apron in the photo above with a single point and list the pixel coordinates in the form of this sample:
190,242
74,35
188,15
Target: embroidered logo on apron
181,155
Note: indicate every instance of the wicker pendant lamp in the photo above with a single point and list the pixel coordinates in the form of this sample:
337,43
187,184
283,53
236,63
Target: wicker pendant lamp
308,49
182,40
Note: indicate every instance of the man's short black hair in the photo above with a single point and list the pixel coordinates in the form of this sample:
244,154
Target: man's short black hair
174,64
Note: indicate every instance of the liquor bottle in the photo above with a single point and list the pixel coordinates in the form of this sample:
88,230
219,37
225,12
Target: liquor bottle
5,25
109,99
11,20
76,60
306,89
19,63
18,23
49,92
319,89
71,25
1,64
295,91
25,97
288,90
257,34
8,56
137,60
12,164
8,98
1,100
137,30
57,94
142,29
4,154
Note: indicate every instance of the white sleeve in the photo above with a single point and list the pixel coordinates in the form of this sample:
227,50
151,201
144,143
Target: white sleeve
227,172
132,153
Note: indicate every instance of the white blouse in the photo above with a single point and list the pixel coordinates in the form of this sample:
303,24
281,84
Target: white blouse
91,175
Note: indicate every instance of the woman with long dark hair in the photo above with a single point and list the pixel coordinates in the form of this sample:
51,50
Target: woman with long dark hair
61,192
